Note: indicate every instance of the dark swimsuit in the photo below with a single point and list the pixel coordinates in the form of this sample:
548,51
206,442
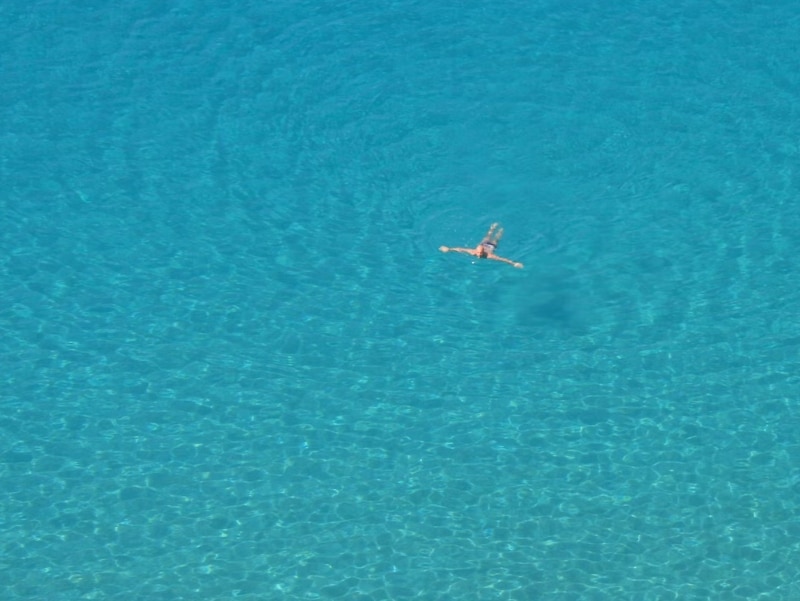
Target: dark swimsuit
486,247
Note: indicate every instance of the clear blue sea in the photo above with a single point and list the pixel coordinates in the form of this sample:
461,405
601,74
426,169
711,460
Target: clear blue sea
235,365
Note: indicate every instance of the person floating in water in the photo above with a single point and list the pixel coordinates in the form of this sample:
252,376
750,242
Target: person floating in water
486,248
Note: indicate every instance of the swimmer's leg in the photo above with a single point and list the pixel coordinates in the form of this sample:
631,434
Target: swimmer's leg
498,234
490,233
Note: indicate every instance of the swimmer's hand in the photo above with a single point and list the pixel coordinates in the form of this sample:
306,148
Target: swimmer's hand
444,249
518,265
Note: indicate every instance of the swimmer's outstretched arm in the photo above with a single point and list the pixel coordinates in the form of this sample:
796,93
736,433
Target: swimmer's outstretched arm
504,260
457,249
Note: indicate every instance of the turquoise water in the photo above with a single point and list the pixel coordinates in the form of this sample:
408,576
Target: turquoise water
235,365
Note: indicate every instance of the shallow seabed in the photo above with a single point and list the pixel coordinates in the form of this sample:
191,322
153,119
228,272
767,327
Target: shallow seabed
235,366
